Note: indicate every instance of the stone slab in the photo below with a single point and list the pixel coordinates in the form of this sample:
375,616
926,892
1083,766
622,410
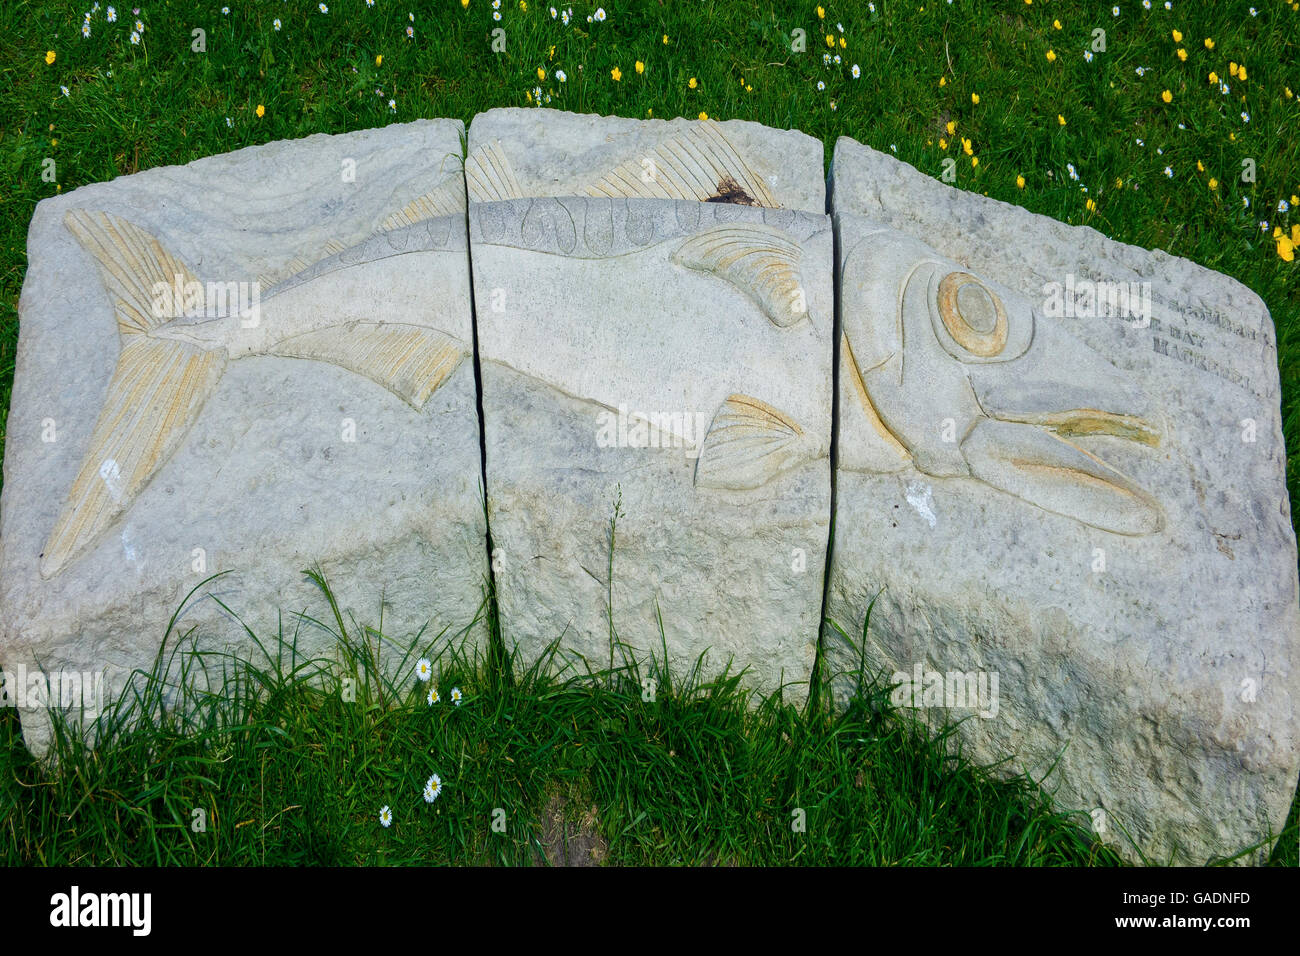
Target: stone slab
1138,607
333,424
622,339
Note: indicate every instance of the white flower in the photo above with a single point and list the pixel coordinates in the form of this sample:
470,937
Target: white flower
871,7
85,29
1169,172
456,696
1160,151
385,817
423,669
553,13
1168,5
496,4
561,75
564,17
392,106
63,90
433,697
826,59
1114,11
1254,12
833,106
1263,225
276,23
1139,142
410,33
600,14
432,788
856,71
837,59
370,3
496,14
1224,88
135,38
111,15
1245,117
821,85
1073,175
1146,4
1087,55
1141,71
225,11
411,17
229,123
1181,126
840,27
893,147
324,9
1245,202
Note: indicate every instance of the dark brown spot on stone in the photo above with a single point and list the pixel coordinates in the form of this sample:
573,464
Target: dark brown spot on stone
730,191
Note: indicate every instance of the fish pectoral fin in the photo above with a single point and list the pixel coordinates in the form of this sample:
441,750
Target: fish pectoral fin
411,361
154,396
1053,474
748,444
760,261
133,264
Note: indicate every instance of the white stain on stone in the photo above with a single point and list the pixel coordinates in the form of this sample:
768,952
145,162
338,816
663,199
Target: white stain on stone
918,496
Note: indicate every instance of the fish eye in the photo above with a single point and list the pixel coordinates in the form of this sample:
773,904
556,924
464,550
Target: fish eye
973,314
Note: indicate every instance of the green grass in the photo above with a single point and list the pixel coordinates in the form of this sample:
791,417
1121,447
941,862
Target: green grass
292,774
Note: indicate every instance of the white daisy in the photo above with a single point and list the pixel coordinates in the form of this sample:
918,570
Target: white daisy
1087,55
1114,11
135,38
1169,172
856,71
1245,117
432,788
424,669
554,14
63,90
139,26
385,817
561,75
600,14
276,23
324,9
111,15
837,59
1073,175
1263,225
456,696
821,85
225,11
85,29
433,697
1283,206
229,122
392,106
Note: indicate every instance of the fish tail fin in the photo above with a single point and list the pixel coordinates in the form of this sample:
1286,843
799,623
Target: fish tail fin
749,443
154,395
139,274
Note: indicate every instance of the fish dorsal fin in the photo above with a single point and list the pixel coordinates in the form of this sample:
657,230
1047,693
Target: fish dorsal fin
748,443
446,200
154,396
132,264
761,261
409,360
489,176
698,165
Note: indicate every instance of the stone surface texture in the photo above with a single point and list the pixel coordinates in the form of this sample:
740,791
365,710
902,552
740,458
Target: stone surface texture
644,350
337,427
1137,604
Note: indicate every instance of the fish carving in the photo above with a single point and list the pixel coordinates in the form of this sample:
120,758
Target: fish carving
175,347
960,376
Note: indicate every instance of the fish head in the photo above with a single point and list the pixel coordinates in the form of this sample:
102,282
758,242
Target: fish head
972,379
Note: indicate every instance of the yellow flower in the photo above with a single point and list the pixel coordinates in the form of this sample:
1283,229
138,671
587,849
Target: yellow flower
691,83
523,5
1214,77
54,142
49,57
640,67
616,73
843,43
821,14
966,147
1056,24
550,55
1167,96
748,88
1091,205
379,60
650,111
1051,56
1289,94
1214,183
1241,72
1182,54
830,41
261,110
1285,245
665,39
541,74
1020,182
952,127
975,99
1295,201
1209,44
943,143
1232,68
465,3
1119,183
528,94
974,161
703,115
943,81
1178,36
1060,119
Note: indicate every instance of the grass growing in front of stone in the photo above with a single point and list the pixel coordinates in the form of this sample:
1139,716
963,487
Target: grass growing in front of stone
1164,174
534,770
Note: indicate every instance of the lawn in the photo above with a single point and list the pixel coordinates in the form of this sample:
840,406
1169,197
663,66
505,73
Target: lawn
1172,127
